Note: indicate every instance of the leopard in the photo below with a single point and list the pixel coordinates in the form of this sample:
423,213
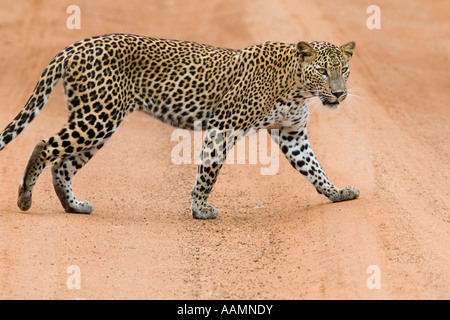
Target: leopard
105,78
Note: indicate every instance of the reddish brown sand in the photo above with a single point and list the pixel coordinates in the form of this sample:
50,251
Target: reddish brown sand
275,236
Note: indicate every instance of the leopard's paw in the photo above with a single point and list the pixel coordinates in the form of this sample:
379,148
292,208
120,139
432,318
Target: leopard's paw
347,193
206,211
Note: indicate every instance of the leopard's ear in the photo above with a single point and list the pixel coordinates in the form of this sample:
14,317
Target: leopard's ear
347,49
306,51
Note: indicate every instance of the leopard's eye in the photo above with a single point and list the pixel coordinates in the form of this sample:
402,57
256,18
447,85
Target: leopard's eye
322,71
344,69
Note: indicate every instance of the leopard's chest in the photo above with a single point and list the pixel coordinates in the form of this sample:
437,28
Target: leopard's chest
285,114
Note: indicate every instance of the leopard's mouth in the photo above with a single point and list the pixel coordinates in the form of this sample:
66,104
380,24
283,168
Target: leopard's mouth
329,104
333,105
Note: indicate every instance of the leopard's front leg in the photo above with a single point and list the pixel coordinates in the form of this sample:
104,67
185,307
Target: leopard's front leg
215,147
294,144
206,177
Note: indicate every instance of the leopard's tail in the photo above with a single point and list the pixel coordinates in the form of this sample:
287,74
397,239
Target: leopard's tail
37,100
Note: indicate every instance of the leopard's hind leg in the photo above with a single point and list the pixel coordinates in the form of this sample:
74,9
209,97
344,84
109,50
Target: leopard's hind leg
68,151
37,162
63,171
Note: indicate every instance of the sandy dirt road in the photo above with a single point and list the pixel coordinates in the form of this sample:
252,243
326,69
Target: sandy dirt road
275,237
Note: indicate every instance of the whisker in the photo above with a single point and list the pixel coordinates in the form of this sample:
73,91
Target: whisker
351,92
351,95
352,101
313,103
355,89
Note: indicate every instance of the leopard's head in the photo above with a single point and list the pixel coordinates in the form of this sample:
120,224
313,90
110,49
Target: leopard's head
324,70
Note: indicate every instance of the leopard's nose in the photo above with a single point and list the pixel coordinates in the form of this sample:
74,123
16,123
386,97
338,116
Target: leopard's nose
337,94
